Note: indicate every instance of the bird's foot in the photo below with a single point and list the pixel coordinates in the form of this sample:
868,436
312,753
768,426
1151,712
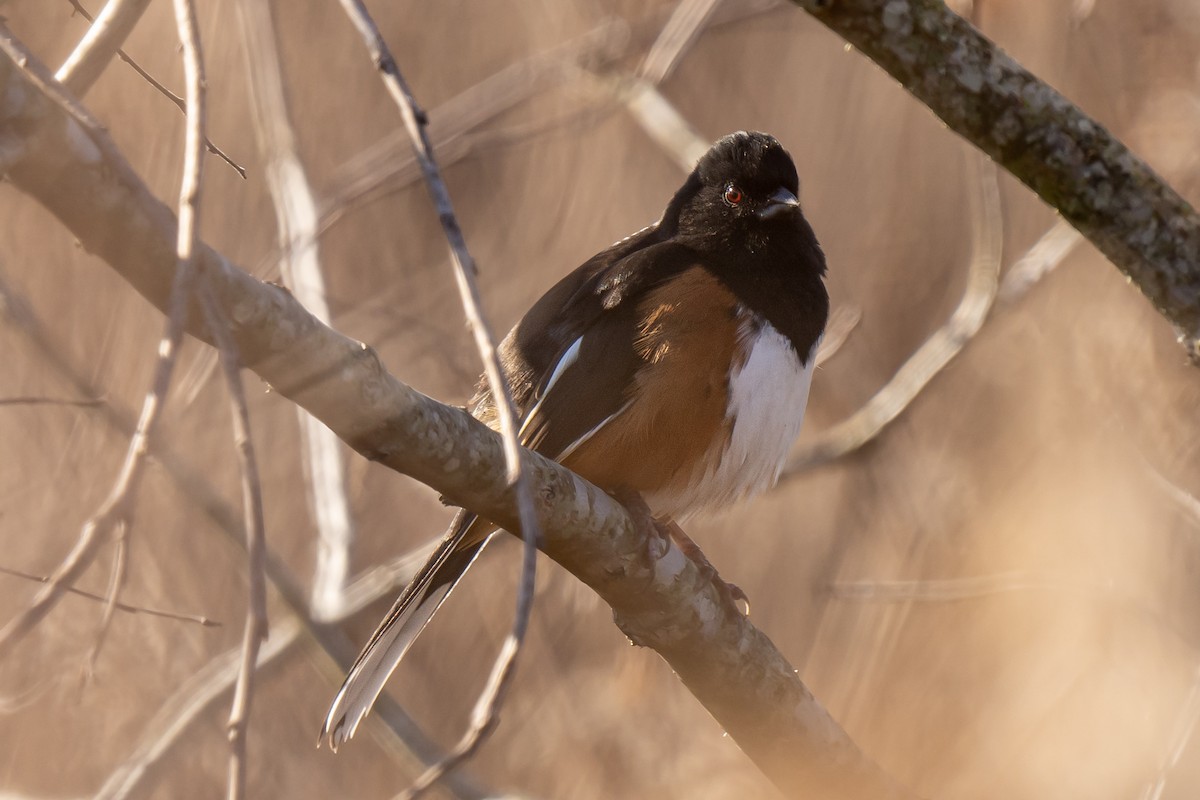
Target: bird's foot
659,531
653,530
731,591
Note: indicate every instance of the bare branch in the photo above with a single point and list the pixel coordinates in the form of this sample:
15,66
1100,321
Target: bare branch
939,349
47,401
255,630
104,38
398,735
484,717
116,509
1140,223
666,603
124,607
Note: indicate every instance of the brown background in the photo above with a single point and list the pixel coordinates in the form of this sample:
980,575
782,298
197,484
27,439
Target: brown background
1033,463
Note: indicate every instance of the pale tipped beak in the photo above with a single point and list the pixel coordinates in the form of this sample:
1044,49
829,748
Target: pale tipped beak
781,202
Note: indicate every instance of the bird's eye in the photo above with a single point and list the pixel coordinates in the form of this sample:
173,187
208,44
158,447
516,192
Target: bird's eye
733,195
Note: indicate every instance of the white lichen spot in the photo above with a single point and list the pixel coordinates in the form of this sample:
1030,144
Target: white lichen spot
971,78
583,508
82,147
709,615
164,348
813,716
667,568
896,17
14,99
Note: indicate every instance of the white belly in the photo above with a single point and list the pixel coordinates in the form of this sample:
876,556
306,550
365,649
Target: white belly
767,397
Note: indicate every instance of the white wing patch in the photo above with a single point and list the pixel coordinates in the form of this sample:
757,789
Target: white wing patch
569,357
767,398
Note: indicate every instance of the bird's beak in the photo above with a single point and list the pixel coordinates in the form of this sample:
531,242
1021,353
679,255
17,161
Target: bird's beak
781,202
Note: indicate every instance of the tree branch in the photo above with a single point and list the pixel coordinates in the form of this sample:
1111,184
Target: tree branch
72,168
1113,198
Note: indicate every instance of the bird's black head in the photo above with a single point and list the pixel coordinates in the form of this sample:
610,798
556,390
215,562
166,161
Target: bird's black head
742,196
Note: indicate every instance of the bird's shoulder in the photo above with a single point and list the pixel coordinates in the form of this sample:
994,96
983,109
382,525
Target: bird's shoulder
605,288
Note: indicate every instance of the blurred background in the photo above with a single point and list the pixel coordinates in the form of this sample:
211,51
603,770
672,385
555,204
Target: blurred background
996,595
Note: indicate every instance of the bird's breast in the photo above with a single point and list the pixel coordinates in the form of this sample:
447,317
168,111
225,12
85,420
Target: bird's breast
712,409
767,394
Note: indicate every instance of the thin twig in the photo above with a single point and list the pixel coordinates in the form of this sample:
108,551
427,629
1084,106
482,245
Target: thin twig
116,582
939,349
117,508
47,401
125,607
415,121
937,589
398,735
389,164
255,630
103,39
256,615
164,91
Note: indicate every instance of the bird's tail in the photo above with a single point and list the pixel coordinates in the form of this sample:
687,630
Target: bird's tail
411,612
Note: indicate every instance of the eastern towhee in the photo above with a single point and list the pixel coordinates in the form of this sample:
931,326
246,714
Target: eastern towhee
675,364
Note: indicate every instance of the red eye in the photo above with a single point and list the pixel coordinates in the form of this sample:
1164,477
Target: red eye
733,195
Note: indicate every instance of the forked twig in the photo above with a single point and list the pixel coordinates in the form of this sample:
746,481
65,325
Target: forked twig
415,121
117,508
255,629
164,91
103,40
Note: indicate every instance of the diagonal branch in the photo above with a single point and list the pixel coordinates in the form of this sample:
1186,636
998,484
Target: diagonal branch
72,168
1111,196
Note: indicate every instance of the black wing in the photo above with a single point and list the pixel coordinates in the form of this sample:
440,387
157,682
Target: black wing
584,327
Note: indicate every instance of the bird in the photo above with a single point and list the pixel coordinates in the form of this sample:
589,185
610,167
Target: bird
674,365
